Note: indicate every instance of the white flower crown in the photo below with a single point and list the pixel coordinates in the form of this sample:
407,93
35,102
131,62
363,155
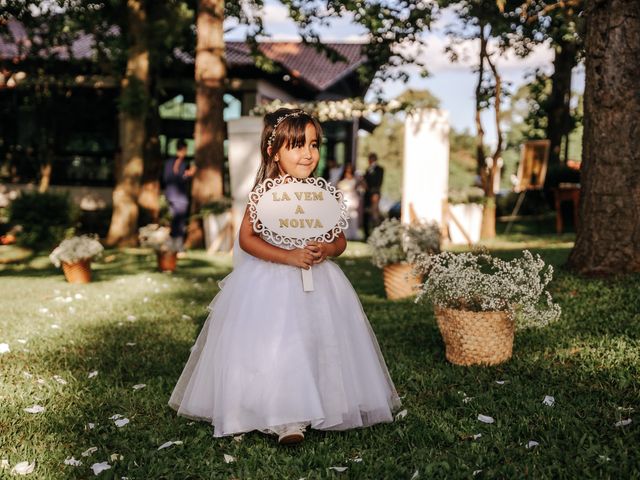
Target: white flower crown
272,137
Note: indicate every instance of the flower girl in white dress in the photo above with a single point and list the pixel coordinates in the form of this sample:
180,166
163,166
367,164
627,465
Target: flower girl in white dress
270,356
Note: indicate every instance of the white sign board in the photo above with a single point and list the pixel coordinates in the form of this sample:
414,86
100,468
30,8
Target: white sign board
290,212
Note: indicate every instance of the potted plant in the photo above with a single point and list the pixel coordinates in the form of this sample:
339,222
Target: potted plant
75,255
158,238
217,224
396,246
479,301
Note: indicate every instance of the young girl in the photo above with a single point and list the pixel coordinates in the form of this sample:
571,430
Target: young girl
270,356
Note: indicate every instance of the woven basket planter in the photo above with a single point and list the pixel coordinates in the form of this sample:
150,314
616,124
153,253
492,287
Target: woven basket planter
167,261
476,338
78,272
399,281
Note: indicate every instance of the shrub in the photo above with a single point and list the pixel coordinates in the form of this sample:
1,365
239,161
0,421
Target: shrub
44,218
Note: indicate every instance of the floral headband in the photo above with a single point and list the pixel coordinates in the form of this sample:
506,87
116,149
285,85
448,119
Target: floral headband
272,137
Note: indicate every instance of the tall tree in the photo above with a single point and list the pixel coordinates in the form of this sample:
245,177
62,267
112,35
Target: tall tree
210,75
133,108
488,24
608,237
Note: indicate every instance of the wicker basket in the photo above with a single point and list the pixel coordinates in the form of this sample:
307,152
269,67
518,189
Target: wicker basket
476,338
78,272
167,261
399,281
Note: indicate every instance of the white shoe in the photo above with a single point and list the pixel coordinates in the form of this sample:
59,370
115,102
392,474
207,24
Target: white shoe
291,435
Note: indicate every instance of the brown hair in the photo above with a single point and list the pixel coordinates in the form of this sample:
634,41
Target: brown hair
289,132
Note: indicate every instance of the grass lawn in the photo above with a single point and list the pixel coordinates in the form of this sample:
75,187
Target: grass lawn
135,326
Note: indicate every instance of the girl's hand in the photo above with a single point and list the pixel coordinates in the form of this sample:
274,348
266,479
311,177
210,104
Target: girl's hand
300,257
319,250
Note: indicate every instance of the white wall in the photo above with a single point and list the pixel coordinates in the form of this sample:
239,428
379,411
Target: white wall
426,164
244,161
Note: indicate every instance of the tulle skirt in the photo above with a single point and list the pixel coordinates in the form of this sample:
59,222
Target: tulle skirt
271,355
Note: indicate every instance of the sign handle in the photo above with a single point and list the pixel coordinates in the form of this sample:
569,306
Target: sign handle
307,279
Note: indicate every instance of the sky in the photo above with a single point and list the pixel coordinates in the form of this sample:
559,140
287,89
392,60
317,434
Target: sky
452,83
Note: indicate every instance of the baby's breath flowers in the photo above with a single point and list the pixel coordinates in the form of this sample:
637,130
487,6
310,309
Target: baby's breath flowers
76,249
395,242
481,282
156,237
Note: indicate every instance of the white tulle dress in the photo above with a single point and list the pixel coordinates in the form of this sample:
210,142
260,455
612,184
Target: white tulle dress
271,355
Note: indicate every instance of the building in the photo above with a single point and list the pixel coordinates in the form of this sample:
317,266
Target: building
67,115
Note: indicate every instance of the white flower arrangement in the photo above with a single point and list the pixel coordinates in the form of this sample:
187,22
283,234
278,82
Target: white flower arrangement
346,109
76,249
395,242
156,237
481,282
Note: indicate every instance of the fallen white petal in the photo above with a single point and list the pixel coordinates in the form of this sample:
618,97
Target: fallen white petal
476,436
532,443
604,458
485,419
59,379
22,341
401,414
623,423
27,374
130,344
238,438
43,310
229,458
115,457
72,461
357,460
186,317
549,401
467,399
23,468
91,426
338,469
93,374
41,381
116,416
476,472
89,451
55,326
169,443
107,296
122,422
72,310
34,409
139,386
78,296
500,382
4,463
131,318
415,475
145,299
100,467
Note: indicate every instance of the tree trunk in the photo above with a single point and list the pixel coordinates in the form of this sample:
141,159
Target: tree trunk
149,199
210,74
608,235
559,109
135,87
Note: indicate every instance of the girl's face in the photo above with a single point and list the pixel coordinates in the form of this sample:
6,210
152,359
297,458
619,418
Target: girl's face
300,162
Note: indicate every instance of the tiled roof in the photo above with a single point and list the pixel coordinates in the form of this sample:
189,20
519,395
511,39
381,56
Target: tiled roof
299,60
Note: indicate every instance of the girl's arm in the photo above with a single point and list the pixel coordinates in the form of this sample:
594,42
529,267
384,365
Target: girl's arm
251,243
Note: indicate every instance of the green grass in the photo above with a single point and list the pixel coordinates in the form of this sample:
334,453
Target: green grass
589,362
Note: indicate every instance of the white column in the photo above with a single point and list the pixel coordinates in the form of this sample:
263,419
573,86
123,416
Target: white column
244,162
425,182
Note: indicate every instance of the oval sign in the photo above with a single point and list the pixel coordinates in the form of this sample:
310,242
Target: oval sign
291,211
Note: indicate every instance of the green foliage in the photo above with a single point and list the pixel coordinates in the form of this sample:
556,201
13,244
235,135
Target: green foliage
44,218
